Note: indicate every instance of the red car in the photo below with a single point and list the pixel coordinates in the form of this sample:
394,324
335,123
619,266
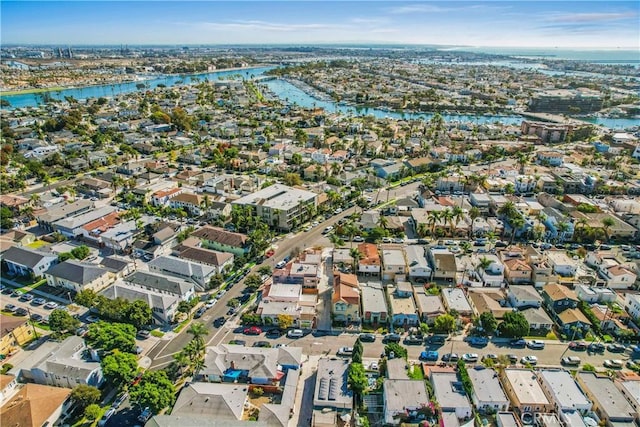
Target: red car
137,379
270,253
252,330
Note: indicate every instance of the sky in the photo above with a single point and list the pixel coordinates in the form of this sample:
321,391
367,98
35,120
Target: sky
549,24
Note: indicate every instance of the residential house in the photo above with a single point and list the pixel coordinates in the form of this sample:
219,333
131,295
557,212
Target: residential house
199,273
192,203
517,271
524,391
524,296
403,309
563,391
559,297
95,187
60,364
455,299
266,366
493,274
218,260
552,158
593,294
221,240
35,405
8,387
307,275
402,400
487,391
443,264
394,263
429,306
281,206
23,261
61,211
369,264
374,303
78,276
302,312
224,402
449,392
14,333
608,401
630,388
73,227
632,305
561,263
331,392
417,265
164,306
618,277
345,302
185,290
161,198
538,319
488,300
573,323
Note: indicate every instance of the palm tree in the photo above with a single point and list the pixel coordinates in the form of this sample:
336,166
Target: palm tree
607,223
484,263
447,217
433,219
198,330
516,224
458,214
508,210
383,222
34,199
563,227
474,213
350,230
182,360
336,240
356,255
422,230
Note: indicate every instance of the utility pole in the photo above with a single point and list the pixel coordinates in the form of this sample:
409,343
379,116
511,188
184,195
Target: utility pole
35,332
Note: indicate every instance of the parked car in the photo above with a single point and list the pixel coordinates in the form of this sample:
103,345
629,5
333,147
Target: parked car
470,357
26,297
391,338
273,333
367,337
38,301
120,400
252,330
478,341
518,343
262,344
295,333
10,308
51,305
105,418
616,348
613,364
238,342
144,415
578,346
535,344
345,351
16,293
437,339
21,311
143,334
327,230
450,357
36,317
81,331
358,239
219,321
512,358
570,361
429,356
490,356
531,360
413,340
281,264
596,347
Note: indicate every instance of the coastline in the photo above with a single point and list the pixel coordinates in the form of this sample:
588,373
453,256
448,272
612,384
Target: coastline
73,86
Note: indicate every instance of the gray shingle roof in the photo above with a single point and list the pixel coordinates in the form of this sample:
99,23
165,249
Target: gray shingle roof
24,256
77,272
222,401
161,283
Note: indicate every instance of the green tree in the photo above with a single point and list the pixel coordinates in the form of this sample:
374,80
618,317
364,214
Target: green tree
154,390
444,323
93,411
85,395
358,349
357,378
198,330
60,321
488,322
6,218
86,298
397,349
513,324
138,313
607,223
292,179
265,269
112,336
119,367
63,256
80,252
253,281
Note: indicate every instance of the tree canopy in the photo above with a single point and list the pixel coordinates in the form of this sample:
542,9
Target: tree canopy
61,321
154,390
112,336
119,367
514,324
85,395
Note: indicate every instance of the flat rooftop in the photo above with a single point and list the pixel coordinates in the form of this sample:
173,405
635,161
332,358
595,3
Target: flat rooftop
526,387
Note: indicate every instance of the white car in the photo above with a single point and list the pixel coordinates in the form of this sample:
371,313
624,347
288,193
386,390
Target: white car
211,303
345,351
470,357
373,366
613,364
535,344
531,360
51,305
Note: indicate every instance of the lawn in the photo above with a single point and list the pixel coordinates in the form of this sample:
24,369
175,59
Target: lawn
157,334
181,326
32,286
37,244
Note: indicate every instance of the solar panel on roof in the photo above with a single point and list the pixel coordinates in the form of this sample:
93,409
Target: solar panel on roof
324,389
334,389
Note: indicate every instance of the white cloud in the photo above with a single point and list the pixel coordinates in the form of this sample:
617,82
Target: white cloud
591,17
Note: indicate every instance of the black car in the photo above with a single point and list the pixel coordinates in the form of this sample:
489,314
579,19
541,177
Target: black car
596,347
616,348
36,317
413,340
450,357
273,333
7,291
367,337
262,344
391,338
231,311
22,311
238,342
198,314
518,343
219,321
437,339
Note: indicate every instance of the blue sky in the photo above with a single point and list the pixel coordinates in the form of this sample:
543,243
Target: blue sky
587,24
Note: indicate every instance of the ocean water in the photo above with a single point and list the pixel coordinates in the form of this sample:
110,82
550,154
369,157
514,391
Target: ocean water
609,56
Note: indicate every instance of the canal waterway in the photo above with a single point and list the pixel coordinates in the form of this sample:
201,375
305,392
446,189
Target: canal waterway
280,88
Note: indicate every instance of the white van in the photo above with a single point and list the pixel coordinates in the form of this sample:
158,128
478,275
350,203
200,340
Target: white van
295,333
